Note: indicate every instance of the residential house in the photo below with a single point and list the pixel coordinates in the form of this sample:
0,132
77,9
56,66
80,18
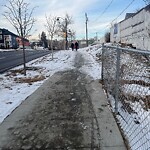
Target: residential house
10,40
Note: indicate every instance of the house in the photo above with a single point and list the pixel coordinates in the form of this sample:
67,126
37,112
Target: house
10,40
134,30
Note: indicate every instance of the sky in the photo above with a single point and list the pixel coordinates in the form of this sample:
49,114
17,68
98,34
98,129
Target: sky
100,14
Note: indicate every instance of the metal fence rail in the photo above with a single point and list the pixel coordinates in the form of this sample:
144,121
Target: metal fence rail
126,78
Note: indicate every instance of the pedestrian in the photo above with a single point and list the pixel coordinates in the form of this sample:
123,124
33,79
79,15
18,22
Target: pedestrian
72,46
76,45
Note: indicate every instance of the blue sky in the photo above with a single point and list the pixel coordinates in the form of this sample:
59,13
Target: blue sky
99,17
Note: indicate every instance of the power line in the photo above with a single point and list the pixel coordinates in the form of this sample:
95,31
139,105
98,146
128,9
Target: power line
123,11
120,13
146,2
104,10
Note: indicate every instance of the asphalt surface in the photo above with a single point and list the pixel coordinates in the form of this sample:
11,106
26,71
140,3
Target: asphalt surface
68,112
10,59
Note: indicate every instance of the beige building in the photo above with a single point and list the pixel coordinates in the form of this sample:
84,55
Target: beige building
134,29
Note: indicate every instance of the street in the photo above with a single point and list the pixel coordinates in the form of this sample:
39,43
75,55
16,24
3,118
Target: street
10,59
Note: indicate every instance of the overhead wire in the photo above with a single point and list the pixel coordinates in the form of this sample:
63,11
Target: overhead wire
146,2
104,10
119,14
122,11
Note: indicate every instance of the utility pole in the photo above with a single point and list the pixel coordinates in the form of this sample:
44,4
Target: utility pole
96,37
86,20
66,38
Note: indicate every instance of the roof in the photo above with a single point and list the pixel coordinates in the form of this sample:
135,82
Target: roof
7,32
128,15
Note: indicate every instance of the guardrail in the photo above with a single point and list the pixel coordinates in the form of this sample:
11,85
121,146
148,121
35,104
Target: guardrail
126,79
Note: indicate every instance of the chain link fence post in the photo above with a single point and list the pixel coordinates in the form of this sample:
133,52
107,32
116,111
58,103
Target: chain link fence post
117,80
102,69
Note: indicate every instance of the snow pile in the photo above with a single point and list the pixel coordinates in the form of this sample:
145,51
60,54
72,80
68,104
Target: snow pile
91,66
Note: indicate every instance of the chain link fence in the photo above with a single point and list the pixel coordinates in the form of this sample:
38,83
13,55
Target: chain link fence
126,79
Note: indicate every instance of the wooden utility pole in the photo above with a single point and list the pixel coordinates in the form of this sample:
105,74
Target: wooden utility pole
86,20
96,37
66,36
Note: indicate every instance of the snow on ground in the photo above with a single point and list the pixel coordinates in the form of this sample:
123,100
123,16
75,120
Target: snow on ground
2,50
136,90
15,87
91,67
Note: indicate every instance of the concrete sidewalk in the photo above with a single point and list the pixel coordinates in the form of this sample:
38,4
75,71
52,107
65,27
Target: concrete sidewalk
69,111
111,138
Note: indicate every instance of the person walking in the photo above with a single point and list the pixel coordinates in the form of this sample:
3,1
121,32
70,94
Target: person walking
72,46
76,45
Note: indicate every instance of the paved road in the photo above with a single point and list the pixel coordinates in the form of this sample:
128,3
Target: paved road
68,112
10,59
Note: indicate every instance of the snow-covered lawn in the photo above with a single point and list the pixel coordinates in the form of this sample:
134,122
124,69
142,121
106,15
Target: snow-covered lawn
15,87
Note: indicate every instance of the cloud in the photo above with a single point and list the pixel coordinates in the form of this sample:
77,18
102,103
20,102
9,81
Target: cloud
76,9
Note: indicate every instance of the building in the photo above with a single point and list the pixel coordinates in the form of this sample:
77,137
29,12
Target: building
10,40
134,30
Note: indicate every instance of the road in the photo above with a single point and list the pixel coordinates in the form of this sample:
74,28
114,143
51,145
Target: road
11,59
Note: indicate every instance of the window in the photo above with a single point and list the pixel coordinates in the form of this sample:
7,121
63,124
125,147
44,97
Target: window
0,31
115,28
1,37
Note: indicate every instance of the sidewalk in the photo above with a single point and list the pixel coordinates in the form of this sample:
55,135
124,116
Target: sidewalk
68,112
111,138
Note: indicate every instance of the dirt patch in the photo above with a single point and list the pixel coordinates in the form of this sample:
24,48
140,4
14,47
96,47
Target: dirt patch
29,80
139,82
21,71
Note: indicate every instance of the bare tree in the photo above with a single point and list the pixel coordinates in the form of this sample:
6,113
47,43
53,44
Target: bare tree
67,20
52,29
19,15
71,34
63,27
